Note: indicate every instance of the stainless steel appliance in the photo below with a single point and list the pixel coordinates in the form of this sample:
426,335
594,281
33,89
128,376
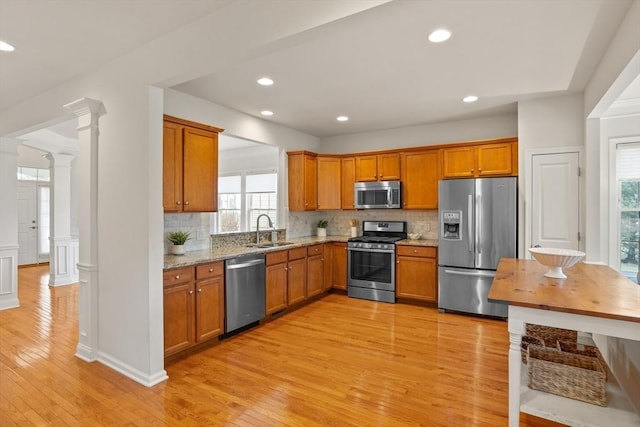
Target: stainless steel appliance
245,291
371,263
377,195
477,228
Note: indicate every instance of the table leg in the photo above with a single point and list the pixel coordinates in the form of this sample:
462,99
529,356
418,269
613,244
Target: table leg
516,330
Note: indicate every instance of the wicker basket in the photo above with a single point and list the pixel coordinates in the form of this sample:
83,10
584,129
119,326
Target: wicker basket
566,374
526,341
584,350
551,335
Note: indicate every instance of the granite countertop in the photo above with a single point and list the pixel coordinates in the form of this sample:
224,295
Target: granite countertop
419,242
220,254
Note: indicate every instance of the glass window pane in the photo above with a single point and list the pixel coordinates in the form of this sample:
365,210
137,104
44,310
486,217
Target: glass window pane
262,183
43,223
629,241
44,175
27,174
230,184
630,194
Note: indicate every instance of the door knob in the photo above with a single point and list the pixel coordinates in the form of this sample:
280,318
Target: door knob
33,228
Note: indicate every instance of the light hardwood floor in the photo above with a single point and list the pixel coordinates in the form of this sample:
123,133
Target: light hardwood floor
335,362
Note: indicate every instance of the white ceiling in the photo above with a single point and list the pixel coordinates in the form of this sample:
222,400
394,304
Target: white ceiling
374,66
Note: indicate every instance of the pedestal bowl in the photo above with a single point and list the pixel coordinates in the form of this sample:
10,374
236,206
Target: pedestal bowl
556,259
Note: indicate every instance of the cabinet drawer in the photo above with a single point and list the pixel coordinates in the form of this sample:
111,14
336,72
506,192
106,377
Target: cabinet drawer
277,257
210,269
177,276
297,253
420,251
315,250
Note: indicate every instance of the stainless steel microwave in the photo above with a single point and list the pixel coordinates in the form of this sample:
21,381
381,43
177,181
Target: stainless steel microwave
377,195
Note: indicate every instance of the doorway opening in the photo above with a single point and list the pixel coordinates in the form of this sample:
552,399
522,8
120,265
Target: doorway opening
33,215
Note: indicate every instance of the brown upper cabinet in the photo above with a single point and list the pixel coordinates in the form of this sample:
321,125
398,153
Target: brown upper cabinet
189,166
329,175
378,167
420,179
348,178
303,181
480,160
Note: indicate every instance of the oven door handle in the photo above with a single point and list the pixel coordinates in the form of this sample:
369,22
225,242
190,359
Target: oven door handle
379,251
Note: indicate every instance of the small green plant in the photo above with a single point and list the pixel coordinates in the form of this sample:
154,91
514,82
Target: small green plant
323,223
178,237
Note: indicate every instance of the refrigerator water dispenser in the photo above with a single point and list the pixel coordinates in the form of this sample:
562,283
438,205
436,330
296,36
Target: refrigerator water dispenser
451,225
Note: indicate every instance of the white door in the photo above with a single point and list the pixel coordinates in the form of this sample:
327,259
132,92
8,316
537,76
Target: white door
27,223
555,200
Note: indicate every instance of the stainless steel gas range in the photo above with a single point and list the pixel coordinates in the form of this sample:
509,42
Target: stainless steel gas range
371,262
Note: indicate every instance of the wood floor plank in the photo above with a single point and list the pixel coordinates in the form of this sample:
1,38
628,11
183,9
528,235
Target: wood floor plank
335,362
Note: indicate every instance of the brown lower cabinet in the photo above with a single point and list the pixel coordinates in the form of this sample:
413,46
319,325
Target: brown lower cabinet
193,305
416,273
315,270
286,278
339,266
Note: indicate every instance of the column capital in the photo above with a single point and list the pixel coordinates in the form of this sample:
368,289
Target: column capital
60,159
83,106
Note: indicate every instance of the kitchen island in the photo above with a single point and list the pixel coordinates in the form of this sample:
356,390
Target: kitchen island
593,299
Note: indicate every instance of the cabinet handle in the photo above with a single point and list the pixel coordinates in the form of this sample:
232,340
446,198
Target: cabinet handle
471,170
397,262
285,268
415,251
178,202
177,276
479,169
190,292
186,203
199,289
380,176
211,270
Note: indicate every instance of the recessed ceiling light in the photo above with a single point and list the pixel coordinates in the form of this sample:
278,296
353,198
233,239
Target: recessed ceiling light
266,113
6,47
265,81
342,118
439,36
470,98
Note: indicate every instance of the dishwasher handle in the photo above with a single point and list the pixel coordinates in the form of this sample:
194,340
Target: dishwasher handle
245,264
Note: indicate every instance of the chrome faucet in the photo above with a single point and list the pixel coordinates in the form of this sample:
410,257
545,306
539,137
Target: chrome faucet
258,226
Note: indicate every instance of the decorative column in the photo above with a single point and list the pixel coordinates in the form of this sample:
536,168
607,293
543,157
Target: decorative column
62,269
88,111
9,223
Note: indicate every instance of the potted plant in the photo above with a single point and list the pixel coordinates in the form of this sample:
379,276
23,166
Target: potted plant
322,228
178,238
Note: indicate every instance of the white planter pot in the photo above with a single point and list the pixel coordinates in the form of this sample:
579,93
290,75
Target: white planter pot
322,232
178,249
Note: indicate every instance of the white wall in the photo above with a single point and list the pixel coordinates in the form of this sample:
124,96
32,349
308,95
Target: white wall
617,69
546,123
501,126
31,157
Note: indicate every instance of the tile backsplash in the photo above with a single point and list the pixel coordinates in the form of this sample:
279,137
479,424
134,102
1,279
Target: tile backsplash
300,224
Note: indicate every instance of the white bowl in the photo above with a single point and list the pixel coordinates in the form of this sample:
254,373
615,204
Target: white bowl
556,259
414,236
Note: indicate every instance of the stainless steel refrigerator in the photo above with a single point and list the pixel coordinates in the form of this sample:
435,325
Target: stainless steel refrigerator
478,226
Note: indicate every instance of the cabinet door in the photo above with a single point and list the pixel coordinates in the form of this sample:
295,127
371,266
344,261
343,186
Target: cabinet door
416,278
348,178
297,281
389,167
367,168
495,159
339,266
328,266
200,182
315,275
310,183
458,162
420,180
209,308
276,283
172,167
329,183
179,320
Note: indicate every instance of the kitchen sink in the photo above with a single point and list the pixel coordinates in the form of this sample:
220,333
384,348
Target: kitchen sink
269,245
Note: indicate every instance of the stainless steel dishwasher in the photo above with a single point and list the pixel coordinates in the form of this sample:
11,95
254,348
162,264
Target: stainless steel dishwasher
244,291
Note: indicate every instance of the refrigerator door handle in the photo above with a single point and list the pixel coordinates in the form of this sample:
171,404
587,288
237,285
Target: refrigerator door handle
469,273
469,225
478,224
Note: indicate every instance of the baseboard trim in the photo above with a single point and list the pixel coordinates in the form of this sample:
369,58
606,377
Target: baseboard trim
8,303
131,372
